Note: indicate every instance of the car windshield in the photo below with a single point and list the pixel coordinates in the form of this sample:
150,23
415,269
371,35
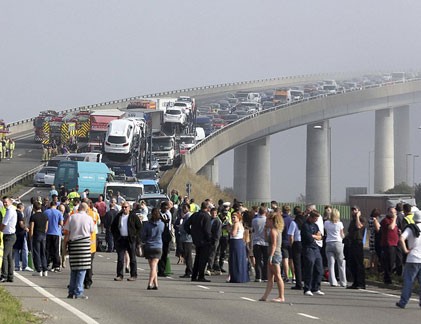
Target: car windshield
150,189
128,193
161,144
153,202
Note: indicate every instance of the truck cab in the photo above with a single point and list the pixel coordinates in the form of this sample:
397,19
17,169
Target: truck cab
163,147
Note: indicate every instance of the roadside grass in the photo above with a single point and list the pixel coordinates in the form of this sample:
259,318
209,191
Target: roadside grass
11,311
201,188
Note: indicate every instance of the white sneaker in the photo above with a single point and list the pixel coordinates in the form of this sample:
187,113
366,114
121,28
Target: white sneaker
308,293
37,274
207,273
319,292
45,273
28,269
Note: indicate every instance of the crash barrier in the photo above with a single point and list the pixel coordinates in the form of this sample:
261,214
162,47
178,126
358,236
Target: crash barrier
5,188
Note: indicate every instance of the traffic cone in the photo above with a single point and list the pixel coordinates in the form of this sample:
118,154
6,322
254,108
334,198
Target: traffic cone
30,261
168,267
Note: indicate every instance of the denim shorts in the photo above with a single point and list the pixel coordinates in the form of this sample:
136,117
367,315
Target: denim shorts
277,259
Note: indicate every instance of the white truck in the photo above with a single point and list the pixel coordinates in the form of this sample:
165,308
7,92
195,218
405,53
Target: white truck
163,148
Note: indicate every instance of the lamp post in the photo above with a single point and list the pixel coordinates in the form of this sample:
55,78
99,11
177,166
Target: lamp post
369,170
407,175
413,168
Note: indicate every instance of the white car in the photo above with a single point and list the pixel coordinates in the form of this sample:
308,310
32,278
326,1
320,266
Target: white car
175,115
45,176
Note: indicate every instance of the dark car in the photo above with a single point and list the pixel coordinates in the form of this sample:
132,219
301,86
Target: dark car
206,123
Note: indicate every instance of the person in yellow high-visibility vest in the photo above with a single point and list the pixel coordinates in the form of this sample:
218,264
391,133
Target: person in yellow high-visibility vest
7,153
12,146
92,211
1,150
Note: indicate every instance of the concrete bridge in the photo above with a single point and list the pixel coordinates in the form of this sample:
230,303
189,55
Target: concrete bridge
250,136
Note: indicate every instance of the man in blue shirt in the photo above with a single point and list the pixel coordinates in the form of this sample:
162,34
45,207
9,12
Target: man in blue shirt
313,265
55,223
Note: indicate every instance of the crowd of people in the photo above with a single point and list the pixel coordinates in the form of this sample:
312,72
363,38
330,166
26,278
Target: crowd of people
272,244
7,148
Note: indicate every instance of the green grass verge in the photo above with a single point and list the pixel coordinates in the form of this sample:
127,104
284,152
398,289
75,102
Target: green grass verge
11,311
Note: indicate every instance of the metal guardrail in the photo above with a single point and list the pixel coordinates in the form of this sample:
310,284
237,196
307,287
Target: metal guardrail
4,188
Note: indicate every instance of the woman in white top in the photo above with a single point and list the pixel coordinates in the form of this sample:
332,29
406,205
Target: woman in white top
335,248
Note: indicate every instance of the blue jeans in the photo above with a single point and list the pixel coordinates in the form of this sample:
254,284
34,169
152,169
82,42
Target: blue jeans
22,254
411,272
76,282
313,269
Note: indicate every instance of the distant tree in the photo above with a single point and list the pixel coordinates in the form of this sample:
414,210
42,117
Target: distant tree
301,198
401,188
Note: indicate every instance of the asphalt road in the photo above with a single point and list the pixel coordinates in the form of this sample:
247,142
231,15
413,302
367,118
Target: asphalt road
182,301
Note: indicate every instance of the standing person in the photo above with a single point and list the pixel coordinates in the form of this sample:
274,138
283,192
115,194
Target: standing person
313,266
87,282
8,227
126,232
53,240
412,268
166,218
78,230
225,216
152,250
275,225
335,248
37,233
286,247
260,246
20,249
375,238
101,207
108,220
216,228
389,243
198,226
356,249
294,235
186,241
238,272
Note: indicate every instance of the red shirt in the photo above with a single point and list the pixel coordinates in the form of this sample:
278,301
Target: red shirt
101,207
389,237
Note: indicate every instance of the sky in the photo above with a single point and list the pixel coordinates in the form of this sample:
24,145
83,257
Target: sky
63,54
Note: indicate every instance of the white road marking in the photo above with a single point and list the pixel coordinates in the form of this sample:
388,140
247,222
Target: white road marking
203,287
140,269
26,192
248,299
101,256
308,316
85,318
108,258
19,155
387,295
29,151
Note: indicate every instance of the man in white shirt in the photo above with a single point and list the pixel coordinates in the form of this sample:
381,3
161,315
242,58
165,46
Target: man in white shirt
8,227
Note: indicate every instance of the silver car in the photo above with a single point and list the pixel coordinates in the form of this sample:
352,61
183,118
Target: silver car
39,177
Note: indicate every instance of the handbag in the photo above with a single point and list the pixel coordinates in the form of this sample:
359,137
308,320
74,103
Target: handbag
139,250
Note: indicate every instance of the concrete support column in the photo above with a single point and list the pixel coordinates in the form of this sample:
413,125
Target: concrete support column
401,143
318,163
383,151
258,170
240,172
210,171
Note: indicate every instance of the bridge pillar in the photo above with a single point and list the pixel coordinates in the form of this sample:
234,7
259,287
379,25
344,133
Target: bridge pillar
210,171
240,172
383,151
258,170
401,142
318,163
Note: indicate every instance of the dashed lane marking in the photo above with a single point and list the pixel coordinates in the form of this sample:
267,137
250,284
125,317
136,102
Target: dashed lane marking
84,317
385,294
101,256
308,316
248,299
27,192
203,287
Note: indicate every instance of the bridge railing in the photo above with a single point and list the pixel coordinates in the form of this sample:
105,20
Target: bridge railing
5,188
256,114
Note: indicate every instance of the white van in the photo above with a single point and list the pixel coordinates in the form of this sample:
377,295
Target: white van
85,157
120,136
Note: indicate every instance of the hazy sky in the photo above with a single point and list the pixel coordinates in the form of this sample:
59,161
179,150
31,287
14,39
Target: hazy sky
62,54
